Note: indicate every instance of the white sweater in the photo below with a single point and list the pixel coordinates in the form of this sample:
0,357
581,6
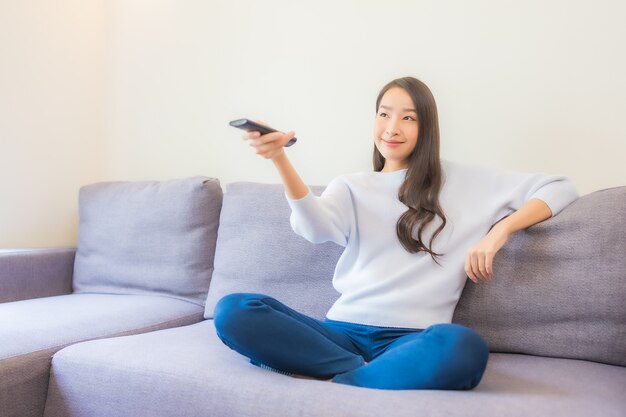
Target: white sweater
381,284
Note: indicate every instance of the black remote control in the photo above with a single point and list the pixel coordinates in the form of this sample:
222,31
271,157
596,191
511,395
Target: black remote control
252,126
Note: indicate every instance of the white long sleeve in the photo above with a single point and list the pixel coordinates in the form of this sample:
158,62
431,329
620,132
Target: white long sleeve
382,284
325,218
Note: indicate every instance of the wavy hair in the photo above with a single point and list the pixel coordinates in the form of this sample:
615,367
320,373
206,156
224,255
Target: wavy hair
422,184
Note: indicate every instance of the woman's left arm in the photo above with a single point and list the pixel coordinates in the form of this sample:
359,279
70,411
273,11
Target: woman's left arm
479,259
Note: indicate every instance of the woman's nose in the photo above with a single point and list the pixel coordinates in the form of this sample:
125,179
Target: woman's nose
391,128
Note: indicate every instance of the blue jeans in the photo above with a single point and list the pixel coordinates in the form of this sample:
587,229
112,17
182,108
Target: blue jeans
442,356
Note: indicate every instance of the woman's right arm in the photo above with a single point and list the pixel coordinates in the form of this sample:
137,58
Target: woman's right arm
317,219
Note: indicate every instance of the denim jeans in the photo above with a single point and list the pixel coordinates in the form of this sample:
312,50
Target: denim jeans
270,334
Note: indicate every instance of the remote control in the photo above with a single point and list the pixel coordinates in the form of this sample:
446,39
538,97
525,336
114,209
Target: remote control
252,126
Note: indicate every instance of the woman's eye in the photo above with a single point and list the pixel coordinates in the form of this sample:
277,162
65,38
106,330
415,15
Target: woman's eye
383,114
410,118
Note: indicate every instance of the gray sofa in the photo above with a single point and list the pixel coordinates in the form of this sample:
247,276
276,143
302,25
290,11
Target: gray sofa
123,325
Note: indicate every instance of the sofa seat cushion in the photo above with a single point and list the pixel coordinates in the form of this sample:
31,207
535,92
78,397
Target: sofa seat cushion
188,372
32,330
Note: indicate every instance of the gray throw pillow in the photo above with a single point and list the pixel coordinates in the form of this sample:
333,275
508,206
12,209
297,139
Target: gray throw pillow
559,287
258,252
148,237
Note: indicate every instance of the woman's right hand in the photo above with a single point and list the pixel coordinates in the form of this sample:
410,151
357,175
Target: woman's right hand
268,146
271,146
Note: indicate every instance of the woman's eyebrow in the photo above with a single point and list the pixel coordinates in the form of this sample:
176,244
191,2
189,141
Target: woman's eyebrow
391,108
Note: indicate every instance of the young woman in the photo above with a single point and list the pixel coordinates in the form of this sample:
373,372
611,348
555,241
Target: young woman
413,230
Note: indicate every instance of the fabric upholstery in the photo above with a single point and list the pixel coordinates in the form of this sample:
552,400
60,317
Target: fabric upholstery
32,330
545,265
188,372
148,237
559,287
33,273
25,383
257,251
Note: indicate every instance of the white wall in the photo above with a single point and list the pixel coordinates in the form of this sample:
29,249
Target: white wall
51,116
530,86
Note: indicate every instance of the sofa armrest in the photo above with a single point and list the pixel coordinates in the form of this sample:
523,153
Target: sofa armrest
34,273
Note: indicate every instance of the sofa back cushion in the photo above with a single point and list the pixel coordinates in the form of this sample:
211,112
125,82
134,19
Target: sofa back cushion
258,252
559,287
148,237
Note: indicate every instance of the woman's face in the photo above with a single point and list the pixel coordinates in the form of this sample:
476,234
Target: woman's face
396,128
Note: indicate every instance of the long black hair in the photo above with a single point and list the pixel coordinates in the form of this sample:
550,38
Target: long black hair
423,181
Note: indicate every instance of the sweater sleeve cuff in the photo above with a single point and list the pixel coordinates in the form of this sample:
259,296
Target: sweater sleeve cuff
302,208
557,195
299,202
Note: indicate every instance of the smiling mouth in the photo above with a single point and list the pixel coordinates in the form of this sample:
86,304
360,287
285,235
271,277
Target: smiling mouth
390,141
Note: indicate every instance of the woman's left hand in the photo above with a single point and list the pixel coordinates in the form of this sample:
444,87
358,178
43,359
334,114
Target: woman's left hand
479,259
